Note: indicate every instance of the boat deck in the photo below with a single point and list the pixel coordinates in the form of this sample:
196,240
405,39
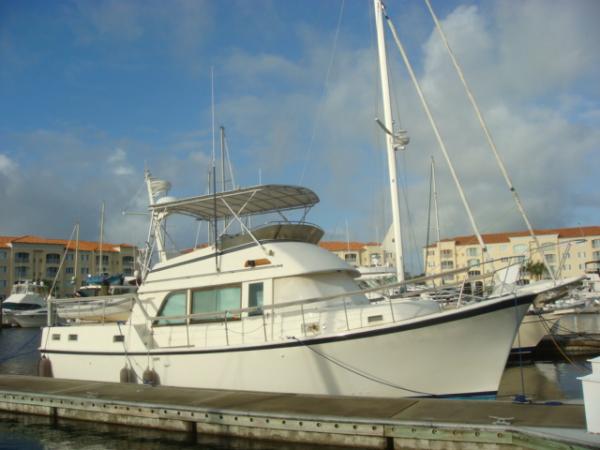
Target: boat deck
340,421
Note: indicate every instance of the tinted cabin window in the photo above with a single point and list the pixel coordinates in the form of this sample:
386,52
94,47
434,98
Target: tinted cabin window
255,298
216,300
174,305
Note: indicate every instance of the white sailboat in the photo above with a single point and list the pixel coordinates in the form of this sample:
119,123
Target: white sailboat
269,310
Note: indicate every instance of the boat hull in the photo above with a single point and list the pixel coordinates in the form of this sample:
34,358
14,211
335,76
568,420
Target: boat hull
416,357
531,332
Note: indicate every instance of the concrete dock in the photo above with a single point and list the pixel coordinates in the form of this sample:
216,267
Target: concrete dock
337,421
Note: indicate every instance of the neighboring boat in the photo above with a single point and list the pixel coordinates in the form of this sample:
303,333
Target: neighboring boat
534,327
101,299
35,318
24,296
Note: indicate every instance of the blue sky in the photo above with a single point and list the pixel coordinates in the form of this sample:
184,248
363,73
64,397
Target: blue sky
91,92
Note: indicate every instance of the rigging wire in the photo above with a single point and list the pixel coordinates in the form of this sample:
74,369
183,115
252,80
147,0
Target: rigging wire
358,372
490,140
321,100
438,136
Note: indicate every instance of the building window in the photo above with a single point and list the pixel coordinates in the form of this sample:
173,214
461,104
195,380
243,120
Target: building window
550,258
69,270
596,243
519,249
350,257
446,253
472,262
3,269
447,265
21,272
3,283
3,254
474,273
104,260
430,252
70,256
218,300
127,271
52,258
472,251
85,257
84,270
596,255
22,257
51,272
127,260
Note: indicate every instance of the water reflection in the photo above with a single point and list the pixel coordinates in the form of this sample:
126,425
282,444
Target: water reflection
543,381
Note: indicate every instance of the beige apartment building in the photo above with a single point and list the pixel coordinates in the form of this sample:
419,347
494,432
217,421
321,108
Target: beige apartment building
362,254
39,259
567,251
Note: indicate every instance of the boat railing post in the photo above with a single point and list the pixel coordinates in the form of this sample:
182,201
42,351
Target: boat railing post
303,321
346,313
187,330
104,310
392,309
264,326
226,329
460,293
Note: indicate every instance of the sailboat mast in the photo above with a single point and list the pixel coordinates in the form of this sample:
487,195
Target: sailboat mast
101,271
435,204
387,116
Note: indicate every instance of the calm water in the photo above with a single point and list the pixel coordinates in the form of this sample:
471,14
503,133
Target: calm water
543,381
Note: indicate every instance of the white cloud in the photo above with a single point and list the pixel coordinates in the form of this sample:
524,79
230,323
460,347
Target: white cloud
7,166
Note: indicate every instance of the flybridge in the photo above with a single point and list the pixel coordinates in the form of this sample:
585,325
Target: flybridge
255,200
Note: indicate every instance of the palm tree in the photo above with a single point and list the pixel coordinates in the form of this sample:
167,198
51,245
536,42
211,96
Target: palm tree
535,269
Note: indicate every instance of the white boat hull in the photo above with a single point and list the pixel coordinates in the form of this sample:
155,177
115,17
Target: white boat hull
36,320
451,353
531,332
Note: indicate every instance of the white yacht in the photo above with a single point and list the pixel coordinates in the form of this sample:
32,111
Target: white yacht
269,310
25,296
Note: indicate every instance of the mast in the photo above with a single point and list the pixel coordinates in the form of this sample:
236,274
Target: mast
389,140
76,270
435,205
101,238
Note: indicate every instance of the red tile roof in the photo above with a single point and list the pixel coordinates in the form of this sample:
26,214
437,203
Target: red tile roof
498,238
83,245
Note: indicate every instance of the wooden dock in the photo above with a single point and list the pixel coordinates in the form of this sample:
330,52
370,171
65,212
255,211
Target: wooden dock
336,421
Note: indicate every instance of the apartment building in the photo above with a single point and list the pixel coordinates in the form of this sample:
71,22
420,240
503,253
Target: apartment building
567,251
39,259
362,254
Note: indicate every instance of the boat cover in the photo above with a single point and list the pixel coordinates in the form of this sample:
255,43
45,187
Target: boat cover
248,201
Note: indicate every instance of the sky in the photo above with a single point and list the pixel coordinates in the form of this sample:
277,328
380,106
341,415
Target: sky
94,92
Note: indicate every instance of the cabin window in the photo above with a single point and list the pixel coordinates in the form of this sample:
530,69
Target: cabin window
255,298
217,300
174,305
